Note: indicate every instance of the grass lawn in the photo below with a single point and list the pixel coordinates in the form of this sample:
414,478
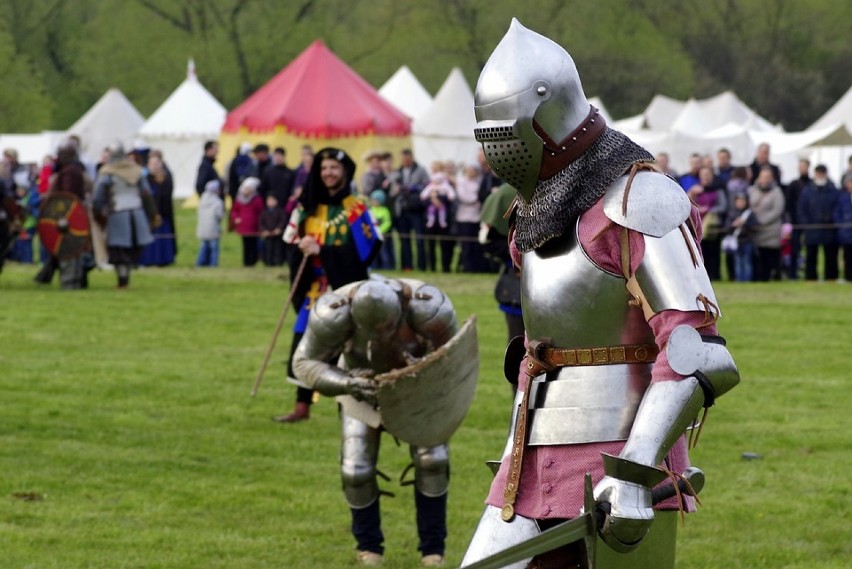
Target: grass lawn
128,438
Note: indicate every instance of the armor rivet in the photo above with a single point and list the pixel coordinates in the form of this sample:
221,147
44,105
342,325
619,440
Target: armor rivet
592,121
584,129
563,148
542,90
575,139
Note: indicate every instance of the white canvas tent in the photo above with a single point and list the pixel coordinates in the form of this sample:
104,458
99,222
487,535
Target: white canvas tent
180,126
836,156
32,148
112,119
445,130
406,93
840,112
681,128
701,116
598,104
634,123
662,112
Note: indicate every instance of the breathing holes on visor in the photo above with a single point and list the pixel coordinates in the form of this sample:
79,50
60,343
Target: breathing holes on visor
494,133
510,159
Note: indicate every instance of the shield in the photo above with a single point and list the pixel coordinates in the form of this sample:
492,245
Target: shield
424,403
63,225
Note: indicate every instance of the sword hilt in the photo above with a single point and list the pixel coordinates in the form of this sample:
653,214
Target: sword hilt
691,483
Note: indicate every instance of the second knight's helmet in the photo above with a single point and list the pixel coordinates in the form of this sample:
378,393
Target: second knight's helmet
529,84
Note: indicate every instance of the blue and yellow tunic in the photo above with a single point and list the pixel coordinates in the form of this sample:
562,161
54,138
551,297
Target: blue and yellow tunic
348,239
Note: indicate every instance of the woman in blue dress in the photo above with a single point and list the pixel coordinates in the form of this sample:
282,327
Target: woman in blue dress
163,250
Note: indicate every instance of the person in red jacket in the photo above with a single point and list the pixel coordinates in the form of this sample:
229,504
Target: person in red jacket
245,218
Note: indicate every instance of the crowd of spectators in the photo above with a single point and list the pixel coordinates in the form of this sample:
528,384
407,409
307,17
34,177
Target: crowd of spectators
760,226
754,228
429,218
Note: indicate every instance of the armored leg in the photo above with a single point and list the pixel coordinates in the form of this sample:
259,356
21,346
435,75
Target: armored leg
45,275
358,455
431,469
71,273
123,274
493,535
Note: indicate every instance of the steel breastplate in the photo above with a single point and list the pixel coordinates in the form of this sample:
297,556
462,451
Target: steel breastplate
569,302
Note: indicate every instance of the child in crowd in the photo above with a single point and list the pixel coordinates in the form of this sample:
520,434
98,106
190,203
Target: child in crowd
739,241
382,216
245,218
437,193
273,220
843,216
211,210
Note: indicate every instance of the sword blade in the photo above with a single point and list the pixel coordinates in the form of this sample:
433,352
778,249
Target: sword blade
557,536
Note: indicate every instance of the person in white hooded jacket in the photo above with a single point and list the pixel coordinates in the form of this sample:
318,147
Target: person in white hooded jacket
211,210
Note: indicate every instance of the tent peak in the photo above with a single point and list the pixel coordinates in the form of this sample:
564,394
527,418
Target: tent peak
318,94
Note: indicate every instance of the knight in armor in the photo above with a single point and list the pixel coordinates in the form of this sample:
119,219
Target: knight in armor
378,326
123,199
72,181
621,351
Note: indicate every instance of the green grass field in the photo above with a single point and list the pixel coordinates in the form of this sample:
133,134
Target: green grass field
128,438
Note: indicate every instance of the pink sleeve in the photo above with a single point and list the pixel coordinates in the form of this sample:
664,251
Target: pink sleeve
601,240
513,249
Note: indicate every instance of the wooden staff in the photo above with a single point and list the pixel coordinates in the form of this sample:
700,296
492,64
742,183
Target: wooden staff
279,325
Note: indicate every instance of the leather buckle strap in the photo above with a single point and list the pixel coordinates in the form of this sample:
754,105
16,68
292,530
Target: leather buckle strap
607,355
542,357
513,477
536,364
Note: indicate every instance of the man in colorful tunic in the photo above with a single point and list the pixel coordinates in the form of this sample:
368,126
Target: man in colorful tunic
334,229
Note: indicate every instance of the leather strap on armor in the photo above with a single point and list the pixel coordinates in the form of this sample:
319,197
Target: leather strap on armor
542,358
557,155
517,459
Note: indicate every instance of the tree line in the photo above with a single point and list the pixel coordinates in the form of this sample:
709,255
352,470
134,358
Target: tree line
787,59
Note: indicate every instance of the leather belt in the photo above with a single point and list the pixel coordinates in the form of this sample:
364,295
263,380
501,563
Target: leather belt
541,358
